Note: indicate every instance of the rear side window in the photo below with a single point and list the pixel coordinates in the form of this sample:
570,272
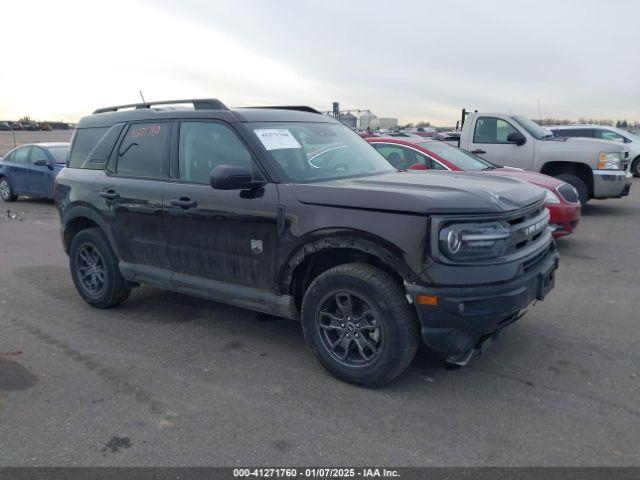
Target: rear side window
575,132
401,158
84,141
144,150
21,155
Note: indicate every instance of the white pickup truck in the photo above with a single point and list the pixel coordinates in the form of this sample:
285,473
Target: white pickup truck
596,168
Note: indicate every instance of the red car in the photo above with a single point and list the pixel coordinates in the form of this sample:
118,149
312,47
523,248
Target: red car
429,154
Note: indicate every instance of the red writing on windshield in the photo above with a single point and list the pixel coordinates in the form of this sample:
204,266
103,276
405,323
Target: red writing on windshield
151,131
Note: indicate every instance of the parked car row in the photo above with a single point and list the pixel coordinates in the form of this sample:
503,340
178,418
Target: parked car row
30,126
375,246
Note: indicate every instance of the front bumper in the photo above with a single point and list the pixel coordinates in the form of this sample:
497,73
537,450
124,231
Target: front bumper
611,183
464,316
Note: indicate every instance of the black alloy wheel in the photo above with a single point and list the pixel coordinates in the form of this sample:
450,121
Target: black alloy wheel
91,270
349,328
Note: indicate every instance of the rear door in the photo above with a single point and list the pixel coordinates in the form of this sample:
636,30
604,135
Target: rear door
489,141
228,236
19,169
130,192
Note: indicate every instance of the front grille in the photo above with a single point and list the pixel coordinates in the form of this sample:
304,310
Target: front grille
526,229
532,262
568,193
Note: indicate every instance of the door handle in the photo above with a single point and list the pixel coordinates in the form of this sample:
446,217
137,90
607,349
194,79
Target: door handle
110,194
183,202
478,151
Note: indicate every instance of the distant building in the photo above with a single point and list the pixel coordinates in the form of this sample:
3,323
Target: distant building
349,120
368,120
387,122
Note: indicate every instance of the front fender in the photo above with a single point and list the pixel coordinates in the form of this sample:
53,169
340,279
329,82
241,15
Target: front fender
328,239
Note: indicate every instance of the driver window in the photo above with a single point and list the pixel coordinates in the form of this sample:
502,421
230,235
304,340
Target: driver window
205,145
38,154
492,130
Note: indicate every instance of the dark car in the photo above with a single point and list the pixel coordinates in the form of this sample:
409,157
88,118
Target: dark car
16,126
31,169
31,126
286,211
4,126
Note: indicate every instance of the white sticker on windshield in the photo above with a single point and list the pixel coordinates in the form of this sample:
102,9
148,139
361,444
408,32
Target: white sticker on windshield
276,138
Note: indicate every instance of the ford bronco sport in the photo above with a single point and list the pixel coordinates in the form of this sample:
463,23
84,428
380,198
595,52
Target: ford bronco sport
286,211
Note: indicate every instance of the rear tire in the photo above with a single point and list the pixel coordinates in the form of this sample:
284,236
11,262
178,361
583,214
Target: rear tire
359,325
635,167
6,192
578,184
94,270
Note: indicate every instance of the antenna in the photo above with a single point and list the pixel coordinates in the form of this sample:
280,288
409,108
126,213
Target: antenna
142,96
539,114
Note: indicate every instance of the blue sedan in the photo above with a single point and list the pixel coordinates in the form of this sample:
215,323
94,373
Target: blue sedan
31,170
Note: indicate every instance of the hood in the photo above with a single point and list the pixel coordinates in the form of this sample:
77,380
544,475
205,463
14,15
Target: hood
544,181
564,143
423,192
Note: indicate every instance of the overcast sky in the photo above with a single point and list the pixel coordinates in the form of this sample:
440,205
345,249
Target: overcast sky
416,60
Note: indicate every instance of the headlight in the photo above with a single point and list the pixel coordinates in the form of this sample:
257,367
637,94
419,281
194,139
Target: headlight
473,241
551,197
610,160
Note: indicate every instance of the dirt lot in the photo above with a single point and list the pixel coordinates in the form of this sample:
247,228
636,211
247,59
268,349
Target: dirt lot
6,138
167,379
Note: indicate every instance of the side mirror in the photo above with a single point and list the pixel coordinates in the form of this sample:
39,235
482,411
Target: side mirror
517,138
41,163
233,177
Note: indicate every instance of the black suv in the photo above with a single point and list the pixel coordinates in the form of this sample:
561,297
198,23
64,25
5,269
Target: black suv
286,211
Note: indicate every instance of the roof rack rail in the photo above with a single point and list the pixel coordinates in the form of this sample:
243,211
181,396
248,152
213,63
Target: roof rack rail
198,104
300,108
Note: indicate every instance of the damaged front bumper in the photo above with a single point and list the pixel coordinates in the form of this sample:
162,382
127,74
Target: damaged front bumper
457,321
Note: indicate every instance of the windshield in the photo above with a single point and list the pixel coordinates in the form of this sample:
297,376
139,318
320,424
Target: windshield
312,152
59,153
532,127
460,158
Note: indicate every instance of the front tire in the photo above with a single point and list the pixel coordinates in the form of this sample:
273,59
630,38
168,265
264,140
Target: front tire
359,325
635,167
6,192
578,184
94,270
